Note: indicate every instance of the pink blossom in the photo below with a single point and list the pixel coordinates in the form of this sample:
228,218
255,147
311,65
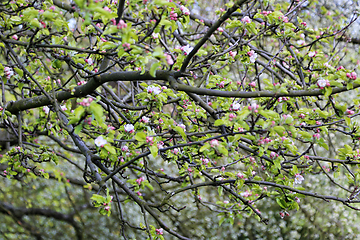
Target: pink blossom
265,13
86,102
125,148
240,175
173,15
214,143
122,24
204,160
15,37
304,24
349,112
252,84
126,46
185,10
169,59
149,139
232,54
247,193
273,155
246,19
352,75
159,231
89,61
253,55
284,19
253,107
221,85
155,35
140,180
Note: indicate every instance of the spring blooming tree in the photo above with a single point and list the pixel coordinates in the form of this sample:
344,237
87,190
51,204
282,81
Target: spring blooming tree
150,102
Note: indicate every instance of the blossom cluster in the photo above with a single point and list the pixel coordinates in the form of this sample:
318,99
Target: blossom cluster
8,72
86,102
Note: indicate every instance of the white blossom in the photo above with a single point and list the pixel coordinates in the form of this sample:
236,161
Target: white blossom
155,90
145,119
236,106
253,55
46,109
182,126
298,179
100,141
72,24
187,49
129,128
312,54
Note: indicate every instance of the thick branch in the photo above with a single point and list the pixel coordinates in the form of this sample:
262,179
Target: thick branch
85,89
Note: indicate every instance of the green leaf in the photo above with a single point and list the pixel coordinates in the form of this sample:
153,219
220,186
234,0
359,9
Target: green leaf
322,143
222,149
222,220
181,131
289,120
97,110
348,121
98,198
279,130
305,135
205,147
35,23
154,150
281,203
219,122
19,71
153,69
78,129
158,53
110,148
78,113
328,91
220,191
164,3
140,136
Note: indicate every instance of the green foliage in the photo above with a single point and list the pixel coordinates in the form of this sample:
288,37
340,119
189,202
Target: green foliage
258,123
